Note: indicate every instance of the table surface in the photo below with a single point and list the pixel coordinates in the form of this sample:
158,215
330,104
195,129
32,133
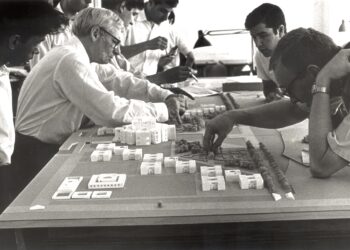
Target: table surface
183,201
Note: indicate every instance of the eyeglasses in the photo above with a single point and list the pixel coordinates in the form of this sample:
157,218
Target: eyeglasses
115,40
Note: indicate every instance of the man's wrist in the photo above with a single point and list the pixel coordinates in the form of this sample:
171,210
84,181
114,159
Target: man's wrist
319,89
322,80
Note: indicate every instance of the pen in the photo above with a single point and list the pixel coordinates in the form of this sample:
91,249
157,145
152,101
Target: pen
194,77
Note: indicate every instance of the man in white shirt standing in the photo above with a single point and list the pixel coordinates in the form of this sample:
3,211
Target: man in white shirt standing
148,39
23,26
63,87
267,26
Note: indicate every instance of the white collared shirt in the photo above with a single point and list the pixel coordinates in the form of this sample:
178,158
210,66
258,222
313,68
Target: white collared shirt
143,30
62,88
7,131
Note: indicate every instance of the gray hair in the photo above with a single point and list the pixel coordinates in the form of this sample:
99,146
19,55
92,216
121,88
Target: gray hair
90,17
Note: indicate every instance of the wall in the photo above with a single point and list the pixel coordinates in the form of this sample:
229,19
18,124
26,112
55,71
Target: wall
193,15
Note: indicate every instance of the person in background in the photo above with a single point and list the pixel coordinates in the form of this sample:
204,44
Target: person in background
69,8
318,92
148,39
23,26
128,11
267,26
63,87
176,46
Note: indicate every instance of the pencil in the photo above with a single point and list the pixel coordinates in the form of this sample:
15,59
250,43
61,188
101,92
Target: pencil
194,77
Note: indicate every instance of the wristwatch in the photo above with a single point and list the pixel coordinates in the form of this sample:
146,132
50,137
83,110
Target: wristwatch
318,89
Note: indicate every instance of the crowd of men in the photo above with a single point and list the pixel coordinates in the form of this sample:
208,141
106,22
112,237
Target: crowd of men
100,65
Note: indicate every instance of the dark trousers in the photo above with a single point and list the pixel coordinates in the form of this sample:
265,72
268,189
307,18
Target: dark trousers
29,157
5,183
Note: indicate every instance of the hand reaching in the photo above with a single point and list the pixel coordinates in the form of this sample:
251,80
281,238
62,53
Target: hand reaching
158,43
173,106
220,126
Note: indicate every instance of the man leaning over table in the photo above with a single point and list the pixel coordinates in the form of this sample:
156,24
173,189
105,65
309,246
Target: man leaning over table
318,92
63,87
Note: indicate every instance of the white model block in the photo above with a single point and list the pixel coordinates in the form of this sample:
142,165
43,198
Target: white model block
305,157
164,129
101,194
217,108
193,112
108,177
70,184
98,155
212,110
171,132
156,135
118,150
62,195
153,157
130,137
276,196
141,122
143,137
82,195
132,154
254,181
105,131
122,136
206,111
96,183
199,112
169,162
211,171
232,175
149,168
105,146
290,196
222,108
213,183
187,115
117,134
185,167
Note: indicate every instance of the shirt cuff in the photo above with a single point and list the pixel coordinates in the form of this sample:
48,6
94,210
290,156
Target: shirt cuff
162,112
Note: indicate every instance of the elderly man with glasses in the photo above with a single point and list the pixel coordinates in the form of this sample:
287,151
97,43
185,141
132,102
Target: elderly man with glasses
315,92
63,87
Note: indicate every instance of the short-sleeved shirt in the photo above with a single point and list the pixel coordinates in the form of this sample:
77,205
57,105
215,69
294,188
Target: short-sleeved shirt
262,67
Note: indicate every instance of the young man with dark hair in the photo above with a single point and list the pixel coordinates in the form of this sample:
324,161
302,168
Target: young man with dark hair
267,26
23,26
323,97
148,39
128,10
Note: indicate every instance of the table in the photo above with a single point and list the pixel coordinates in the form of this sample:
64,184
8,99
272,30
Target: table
188,217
